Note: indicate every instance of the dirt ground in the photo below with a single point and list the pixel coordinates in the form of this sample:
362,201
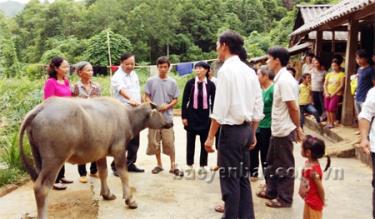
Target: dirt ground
166,197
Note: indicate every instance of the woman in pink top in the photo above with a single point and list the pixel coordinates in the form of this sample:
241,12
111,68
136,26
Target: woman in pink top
58,85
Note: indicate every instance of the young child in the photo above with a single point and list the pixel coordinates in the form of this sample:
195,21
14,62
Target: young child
311,188
333,87
305,100
163,91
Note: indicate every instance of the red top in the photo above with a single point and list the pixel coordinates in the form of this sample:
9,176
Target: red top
312,198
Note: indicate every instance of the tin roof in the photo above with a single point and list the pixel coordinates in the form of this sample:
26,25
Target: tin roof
345,7
309,14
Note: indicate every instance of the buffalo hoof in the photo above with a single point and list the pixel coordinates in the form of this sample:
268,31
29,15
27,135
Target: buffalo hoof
109,197
131,204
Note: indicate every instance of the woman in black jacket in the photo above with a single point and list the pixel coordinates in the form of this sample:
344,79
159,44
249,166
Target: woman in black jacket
197,105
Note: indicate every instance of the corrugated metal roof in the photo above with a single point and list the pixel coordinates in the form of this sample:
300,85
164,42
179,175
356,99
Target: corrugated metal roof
339,10
292,51
309,14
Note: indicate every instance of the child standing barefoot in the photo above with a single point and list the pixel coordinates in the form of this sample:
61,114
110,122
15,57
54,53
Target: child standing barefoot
311,188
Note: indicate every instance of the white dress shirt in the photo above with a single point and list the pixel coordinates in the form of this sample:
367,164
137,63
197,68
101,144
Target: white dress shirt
285,89
129,82
368,113
238,97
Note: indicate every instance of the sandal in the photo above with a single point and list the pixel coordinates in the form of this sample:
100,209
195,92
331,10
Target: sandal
66,181
177,172
219,208
157,170
263,194
215,168
253,179
274,203
59,186
95,175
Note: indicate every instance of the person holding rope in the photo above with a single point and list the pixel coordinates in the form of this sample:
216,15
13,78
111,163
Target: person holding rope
126,88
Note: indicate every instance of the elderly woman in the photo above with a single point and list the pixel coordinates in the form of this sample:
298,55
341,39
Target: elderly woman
86,88
263,133
57,84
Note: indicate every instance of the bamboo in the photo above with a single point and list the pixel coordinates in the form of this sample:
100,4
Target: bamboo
110,61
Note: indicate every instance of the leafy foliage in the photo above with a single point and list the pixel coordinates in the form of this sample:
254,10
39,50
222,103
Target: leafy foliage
97,50
184,29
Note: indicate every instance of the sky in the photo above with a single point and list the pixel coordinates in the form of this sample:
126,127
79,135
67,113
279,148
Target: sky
21,1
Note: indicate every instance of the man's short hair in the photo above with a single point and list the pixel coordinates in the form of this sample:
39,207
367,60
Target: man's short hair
279,53
233,40
125,56
363,54
163,60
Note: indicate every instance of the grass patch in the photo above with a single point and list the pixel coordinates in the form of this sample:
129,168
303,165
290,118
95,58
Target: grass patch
11,175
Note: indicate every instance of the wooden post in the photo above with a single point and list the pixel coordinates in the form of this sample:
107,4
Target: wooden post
350,68
318,42
109,59
333,47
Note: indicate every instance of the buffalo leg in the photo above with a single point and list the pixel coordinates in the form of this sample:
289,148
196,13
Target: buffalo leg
43,185
121,167
103,173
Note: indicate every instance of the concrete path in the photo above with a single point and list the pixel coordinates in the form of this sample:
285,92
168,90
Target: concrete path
348,192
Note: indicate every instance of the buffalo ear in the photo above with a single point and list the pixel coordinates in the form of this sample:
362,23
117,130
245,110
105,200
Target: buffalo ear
153,106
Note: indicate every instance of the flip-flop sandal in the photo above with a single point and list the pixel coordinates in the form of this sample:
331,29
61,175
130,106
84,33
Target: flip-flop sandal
263,194
219,208
177,172
66,181
274,203
157,170
59,186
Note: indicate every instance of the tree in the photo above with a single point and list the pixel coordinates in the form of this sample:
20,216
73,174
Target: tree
9,65
185,28
97,49
257,44
27,36
72,48
48,55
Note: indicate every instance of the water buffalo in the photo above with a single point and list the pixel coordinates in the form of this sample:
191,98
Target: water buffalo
79,131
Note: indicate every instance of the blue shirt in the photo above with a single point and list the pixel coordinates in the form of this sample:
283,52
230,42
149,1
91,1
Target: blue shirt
365,78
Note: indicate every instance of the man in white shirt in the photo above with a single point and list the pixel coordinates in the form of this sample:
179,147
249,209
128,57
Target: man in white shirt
366,121
238,109
285,129
126,88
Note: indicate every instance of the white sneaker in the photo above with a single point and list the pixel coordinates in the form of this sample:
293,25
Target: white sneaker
202,171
